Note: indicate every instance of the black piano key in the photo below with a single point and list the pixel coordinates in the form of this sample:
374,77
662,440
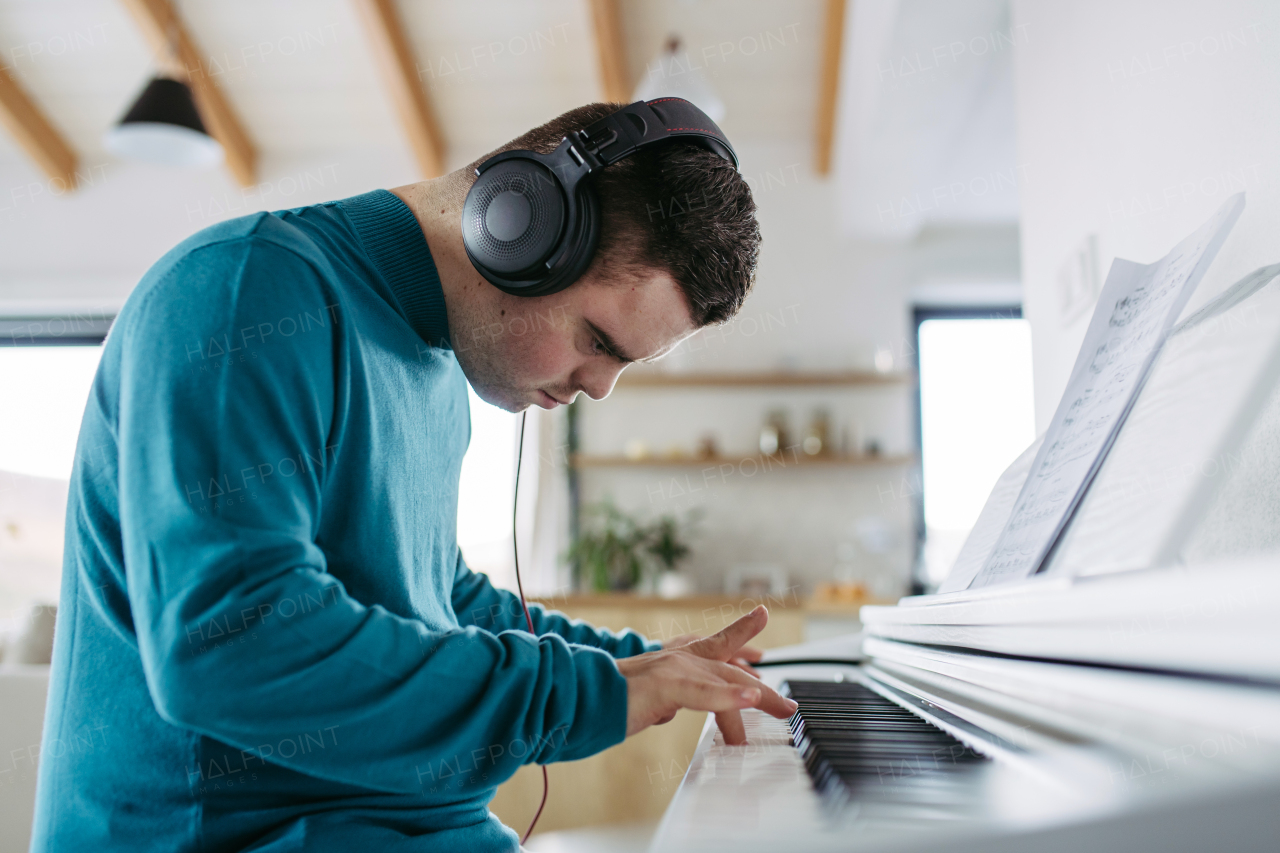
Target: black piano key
854,742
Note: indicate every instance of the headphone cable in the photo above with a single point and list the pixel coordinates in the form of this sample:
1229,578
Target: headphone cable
515,550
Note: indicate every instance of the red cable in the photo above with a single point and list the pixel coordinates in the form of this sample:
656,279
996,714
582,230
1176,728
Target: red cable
515,549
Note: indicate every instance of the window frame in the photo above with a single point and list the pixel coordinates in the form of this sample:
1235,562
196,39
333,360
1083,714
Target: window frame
51,330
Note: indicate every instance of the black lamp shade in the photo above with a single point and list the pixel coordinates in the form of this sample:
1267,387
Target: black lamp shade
163,126
166,101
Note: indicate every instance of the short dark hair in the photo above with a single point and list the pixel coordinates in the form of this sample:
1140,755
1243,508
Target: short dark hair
676,207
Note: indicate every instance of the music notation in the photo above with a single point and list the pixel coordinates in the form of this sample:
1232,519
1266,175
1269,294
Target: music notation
1136,309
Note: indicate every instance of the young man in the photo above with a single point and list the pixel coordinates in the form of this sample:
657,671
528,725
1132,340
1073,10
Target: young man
268,639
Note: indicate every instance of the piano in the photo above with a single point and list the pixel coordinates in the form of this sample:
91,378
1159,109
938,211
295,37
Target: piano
1124,697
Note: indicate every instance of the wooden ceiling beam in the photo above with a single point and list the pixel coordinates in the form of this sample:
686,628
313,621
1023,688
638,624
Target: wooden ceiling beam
611,51
159,22
399,72
40,139
828,84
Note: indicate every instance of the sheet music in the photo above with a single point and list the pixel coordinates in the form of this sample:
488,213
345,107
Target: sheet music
1184,439
986,531
1137,307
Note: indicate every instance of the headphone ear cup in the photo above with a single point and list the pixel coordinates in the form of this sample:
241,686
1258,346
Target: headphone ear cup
513,219
583,242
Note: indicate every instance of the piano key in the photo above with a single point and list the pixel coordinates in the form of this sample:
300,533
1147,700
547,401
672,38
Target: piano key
855,742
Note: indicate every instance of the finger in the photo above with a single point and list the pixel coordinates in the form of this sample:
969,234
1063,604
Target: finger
730,723
726,643
742,664
771,702
751,653
707,692
682,640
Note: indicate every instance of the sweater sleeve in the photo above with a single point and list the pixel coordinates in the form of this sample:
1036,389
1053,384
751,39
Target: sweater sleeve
477,602
219,532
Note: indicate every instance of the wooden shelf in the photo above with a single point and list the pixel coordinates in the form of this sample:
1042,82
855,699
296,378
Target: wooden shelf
766,463
573,601
760,380
740,604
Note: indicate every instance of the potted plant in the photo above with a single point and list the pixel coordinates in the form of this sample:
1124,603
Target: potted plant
665,545
607,557
618,552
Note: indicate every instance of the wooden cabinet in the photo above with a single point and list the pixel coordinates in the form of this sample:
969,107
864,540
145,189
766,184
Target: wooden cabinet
635,780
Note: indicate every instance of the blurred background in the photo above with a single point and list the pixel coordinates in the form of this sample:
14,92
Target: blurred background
942,185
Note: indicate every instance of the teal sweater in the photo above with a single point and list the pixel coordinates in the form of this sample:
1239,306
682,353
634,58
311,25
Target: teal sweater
268,638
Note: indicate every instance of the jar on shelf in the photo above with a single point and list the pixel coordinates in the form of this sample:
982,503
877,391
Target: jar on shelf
773,435
817,438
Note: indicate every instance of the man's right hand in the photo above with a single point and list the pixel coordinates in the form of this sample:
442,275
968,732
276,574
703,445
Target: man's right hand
698,676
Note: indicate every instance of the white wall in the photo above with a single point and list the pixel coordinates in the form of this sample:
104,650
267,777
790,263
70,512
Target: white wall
821,301
1136,120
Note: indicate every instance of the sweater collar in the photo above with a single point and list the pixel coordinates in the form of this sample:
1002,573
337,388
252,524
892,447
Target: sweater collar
395,243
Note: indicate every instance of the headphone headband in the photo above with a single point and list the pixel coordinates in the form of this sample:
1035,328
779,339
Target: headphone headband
531,221
646,123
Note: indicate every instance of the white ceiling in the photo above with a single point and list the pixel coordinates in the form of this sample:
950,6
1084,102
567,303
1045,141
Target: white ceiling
300,75
926,130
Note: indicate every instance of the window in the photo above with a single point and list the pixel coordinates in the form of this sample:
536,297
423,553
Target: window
487,489
976,416
45,385
45,389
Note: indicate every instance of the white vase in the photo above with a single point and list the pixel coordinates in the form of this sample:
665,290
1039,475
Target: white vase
672,584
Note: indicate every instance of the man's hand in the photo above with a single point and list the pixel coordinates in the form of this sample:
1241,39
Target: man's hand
746,655
700,676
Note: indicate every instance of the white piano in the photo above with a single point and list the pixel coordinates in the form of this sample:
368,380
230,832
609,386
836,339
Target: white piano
1125,697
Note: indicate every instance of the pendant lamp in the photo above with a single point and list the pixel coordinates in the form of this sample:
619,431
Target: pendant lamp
164,127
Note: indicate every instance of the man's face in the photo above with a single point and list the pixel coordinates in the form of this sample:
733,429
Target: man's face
541,351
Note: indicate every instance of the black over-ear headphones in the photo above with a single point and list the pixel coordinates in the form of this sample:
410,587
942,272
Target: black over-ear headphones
531,222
